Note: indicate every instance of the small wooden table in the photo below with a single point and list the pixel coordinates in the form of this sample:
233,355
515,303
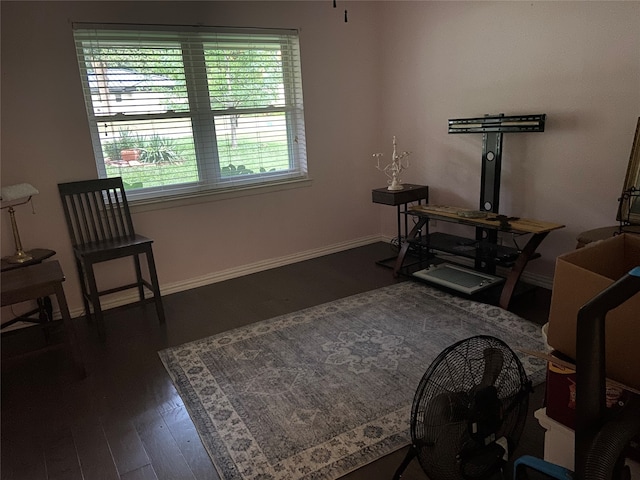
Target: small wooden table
44,310
39,281
37,256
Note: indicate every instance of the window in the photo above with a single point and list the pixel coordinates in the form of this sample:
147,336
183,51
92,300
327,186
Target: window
185,110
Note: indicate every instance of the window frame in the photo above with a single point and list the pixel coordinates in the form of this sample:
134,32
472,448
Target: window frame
202,115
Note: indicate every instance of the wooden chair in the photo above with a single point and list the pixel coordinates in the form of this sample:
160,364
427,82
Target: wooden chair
101,229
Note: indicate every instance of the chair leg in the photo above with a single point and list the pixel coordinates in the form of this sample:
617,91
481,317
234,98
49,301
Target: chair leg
95,300
153,276
83,286
136,261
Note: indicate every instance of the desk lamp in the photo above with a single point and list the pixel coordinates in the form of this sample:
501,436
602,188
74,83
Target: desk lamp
11,195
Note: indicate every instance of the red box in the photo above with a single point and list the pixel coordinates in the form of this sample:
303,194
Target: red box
560,398
561,394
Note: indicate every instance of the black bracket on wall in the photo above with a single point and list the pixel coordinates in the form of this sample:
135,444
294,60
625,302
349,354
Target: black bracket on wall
492,127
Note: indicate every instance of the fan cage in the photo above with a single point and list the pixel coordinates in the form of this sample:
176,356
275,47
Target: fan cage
440,415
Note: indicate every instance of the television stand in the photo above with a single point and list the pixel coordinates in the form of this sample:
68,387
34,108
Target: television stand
492,128
486,254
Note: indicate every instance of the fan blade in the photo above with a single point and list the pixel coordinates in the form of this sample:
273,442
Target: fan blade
446,408
485,414
493,362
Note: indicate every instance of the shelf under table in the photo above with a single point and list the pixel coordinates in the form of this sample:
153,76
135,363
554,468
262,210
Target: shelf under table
500,255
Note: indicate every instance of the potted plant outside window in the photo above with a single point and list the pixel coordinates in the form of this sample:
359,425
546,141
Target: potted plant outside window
160,150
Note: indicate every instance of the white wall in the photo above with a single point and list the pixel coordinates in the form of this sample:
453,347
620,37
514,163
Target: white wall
45,138
396,68
578,62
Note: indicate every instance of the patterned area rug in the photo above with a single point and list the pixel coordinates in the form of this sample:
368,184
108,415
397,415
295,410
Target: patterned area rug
321,392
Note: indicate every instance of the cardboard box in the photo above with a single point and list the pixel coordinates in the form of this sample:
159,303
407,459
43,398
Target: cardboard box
579,276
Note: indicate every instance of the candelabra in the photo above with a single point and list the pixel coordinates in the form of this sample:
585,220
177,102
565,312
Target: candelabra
393,169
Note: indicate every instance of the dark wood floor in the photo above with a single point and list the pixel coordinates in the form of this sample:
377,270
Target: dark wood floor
125,419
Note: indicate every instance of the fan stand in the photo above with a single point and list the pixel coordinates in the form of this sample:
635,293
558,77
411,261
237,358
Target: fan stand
411,454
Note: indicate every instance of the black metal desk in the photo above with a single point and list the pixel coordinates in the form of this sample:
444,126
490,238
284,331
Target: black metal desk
400,199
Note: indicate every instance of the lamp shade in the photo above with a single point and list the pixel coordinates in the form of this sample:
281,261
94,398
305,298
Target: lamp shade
16,192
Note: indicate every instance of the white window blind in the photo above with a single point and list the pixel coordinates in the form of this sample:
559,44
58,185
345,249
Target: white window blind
182,110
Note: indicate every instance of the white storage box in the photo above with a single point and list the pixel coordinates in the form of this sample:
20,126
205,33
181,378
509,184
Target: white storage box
559,444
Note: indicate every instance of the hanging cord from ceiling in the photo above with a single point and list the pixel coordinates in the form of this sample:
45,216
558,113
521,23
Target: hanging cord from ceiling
346,17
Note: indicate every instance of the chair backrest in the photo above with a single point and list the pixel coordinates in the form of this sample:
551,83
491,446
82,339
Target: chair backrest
96,210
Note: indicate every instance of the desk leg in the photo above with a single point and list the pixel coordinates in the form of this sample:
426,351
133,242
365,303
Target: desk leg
70,328
405,246
518,267
45,315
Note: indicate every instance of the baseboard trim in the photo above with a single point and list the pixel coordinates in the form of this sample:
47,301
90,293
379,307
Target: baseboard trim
543,281
124,298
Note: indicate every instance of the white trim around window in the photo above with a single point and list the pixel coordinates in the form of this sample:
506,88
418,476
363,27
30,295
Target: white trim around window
182,112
